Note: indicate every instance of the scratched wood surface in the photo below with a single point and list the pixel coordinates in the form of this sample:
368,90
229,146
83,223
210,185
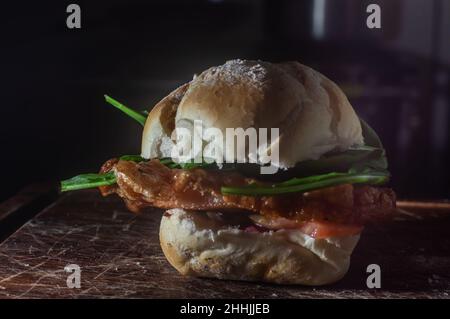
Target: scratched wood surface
120,256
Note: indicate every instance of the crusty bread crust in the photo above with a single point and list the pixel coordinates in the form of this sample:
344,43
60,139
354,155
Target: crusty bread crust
311,112
198,245
160,124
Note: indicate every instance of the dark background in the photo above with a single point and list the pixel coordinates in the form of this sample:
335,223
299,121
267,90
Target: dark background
55,124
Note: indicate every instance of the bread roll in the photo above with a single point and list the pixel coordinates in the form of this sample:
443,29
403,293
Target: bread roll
313,115
201,244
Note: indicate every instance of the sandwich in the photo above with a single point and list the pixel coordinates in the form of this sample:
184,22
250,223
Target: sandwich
289,211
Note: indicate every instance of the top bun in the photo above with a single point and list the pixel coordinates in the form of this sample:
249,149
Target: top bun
312,113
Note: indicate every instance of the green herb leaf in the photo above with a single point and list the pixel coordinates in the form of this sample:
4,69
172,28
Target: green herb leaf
88,181
309,179
132,158
91,180
300,185
85,181
130,112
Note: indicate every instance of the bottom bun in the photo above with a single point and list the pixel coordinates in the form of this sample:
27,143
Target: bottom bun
202,244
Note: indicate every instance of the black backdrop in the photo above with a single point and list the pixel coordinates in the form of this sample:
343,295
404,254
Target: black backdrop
54,122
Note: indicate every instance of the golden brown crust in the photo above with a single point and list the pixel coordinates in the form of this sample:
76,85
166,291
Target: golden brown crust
160,124
198,245
311,112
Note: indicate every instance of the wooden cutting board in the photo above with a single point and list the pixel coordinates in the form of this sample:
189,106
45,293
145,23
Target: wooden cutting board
119,256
